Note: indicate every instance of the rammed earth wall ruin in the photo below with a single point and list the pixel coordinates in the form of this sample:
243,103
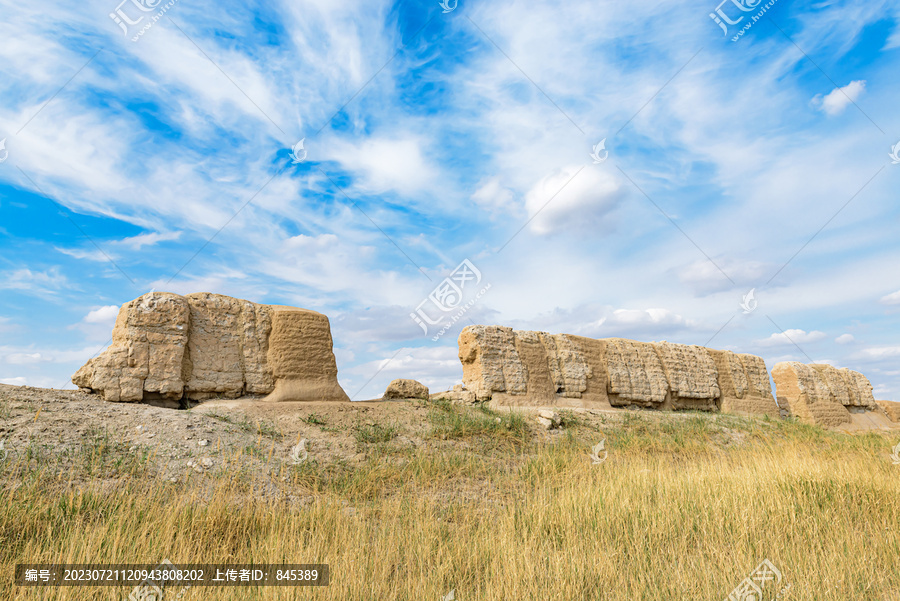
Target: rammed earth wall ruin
536,368
171,347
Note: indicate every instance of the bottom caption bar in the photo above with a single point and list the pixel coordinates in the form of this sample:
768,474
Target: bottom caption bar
166,575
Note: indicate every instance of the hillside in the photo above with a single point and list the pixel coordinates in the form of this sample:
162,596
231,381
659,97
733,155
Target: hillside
408,500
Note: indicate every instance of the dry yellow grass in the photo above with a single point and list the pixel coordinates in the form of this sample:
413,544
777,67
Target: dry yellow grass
683,508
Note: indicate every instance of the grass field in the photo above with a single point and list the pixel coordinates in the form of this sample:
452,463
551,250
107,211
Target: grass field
684,507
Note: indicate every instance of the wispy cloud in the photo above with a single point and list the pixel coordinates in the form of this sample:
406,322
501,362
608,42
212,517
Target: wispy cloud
791,337
47,282
446,150
91,254
149,239
881,352
24,358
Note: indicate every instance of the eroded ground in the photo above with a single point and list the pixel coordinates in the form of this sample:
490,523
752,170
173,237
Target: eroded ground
59,430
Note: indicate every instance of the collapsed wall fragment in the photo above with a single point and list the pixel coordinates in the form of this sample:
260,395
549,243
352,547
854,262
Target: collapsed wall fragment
829,396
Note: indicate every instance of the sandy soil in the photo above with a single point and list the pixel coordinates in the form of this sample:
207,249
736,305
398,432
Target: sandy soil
57,422
56,426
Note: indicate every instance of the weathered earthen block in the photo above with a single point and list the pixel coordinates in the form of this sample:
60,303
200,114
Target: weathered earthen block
170,347
821,394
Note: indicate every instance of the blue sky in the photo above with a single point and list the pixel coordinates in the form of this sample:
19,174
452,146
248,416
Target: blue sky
435,137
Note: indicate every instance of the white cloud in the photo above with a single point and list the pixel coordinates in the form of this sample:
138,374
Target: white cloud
149,239
48,355
17,381
104,315
881,352
37,282
329,264
221,280
570,200
98,323
79,356
883,392
706,276
631,317
839,99
24,358
887,372
79,253
375,324
891,299
845,339
383,164
793,336
893,40
492,196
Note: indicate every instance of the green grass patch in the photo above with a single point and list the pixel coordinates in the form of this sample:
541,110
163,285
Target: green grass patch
315,419
451,422
374,433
